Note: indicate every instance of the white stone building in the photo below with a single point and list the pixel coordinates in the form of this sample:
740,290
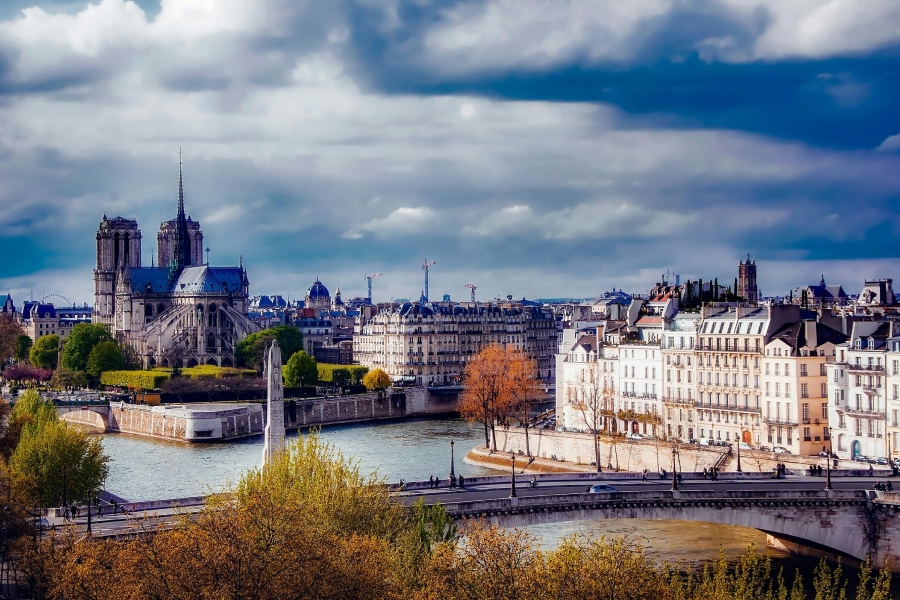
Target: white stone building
857,392
680,385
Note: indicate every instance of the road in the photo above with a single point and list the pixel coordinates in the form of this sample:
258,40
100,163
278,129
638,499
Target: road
110,525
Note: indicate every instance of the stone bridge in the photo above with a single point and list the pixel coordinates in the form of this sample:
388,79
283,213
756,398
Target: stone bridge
92,415
853,523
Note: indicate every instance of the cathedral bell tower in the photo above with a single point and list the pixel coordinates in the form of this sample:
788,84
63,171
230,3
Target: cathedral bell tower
118,249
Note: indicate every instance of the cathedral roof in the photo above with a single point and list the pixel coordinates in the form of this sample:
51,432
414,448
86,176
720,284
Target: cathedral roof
202,279
206,279
317,290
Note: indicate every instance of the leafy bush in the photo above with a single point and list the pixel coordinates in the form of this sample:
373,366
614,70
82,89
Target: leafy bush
135,380
341,374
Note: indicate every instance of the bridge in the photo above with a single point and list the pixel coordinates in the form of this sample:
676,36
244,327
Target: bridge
796,513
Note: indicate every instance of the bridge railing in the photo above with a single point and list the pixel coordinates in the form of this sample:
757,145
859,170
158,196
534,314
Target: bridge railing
580,500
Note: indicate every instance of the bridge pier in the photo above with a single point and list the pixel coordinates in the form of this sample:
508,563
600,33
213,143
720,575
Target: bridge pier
790,545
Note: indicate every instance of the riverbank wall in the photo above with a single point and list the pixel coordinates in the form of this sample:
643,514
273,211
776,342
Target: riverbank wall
200,422
563,451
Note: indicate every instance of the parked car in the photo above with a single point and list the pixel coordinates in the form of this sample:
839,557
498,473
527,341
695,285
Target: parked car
881,461
706,442
744,446
636,436
43,523
861,458
764,448
780,450
602,488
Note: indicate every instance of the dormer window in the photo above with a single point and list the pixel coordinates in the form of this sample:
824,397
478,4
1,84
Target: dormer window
858,344
871,344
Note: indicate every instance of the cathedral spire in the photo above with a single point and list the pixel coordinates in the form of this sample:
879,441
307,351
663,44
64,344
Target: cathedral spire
182,239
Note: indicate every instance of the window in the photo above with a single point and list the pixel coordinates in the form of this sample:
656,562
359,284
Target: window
777,390
787,369
802,370
767,389
823,392
822,369
824,410
787,390
767,368
803,391
804,412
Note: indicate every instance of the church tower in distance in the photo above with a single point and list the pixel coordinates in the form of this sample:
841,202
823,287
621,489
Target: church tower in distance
747,281
118,249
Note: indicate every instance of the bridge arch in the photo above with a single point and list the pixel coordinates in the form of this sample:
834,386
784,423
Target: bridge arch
839,524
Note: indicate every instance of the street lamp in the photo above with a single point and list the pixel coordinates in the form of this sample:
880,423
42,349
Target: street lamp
512,493
674,480
452,471
828,462
739,453
64,487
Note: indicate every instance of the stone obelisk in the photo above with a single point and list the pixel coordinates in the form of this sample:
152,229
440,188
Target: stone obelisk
274,432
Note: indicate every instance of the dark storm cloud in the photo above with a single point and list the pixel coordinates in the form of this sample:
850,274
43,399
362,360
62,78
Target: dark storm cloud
521,144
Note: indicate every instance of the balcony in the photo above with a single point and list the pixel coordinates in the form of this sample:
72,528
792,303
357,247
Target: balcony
671,400
871,390
864,413
780,421
866,368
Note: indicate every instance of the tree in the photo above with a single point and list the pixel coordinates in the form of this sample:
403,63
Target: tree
377,380
524,388
301,369
66,379
104,357
131,361
10,330
80,342
594,397
485,391
45,352
46,446
23,345
251,351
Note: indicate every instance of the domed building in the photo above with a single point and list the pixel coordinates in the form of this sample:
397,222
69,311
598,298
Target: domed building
317,297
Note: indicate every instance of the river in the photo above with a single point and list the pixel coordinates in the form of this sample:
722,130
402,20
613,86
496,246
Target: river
413,449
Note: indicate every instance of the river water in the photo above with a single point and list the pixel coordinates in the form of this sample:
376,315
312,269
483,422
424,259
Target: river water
413,449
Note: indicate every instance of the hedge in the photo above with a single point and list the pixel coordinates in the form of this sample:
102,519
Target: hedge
136,380
210,371
352,373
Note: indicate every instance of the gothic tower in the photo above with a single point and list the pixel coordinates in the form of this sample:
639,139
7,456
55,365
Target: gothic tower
747,281
118,249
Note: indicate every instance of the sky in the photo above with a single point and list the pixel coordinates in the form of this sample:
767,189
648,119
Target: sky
536,148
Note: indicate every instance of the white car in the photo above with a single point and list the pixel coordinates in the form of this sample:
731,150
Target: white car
636,436
780,450
744,446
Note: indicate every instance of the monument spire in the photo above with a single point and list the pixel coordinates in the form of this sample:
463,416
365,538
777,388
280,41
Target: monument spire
274,432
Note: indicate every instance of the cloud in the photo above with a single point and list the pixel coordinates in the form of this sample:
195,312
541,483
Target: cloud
890,144
298,161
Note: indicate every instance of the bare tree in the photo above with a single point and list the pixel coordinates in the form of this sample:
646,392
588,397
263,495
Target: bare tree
524,388
593,397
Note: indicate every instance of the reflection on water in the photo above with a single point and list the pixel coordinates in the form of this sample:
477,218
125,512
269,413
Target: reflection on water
413,449
675,541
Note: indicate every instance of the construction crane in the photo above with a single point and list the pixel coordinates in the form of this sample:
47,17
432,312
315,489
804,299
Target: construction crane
473,288
369,279
425,266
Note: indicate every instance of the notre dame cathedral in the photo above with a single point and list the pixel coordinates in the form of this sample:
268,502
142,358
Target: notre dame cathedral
183,307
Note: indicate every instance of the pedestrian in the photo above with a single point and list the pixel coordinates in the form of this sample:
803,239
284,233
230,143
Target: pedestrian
871,471
643,474
431,482
66,512
461,481
74,511
890,486
705,473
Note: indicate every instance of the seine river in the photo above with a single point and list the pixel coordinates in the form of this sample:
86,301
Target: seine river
144,469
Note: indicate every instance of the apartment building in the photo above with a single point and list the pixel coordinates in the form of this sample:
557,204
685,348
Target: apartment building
892,388
431,343
856,387
680,367
638,402
730,344
795,410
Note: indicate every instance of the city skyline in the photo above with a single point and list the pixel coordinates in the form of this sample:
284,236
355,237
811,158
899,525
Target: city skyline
349,138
